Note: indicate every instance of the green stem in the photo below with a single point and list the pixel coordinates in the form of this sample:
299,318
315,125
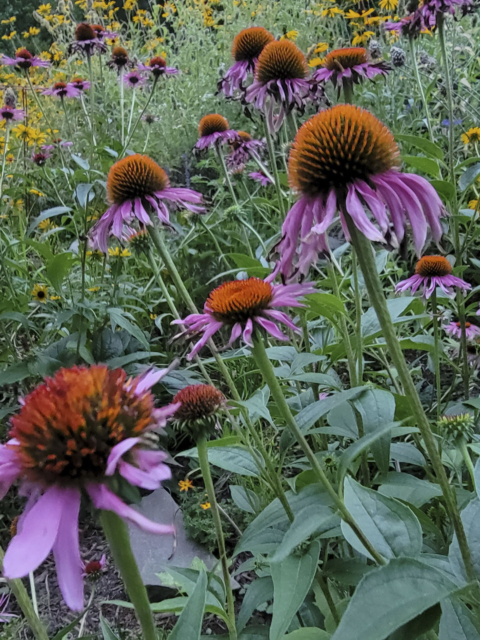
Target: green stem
122,107
436,354
468,461
4,159
134,128
268,373
92,94
374,286
221,159
358,319
18,589
207,477
273,162
130,118
413,51
118,539
352,369
348,91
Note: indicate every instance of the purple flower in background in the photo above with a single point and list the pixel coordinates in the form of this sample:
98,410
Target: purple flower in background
247,46
158,67
243,149
40,158
73,434
431,8
23,60
65,144
137,185
456,122
351,64
239,304
133,80
432,272
62,90
410,26
10,113
80,84
454,329
214,130
258,176
87,40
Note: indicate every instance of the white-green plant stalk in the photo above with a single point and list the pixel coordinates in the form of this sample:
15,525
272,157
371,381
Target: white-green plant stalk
4,159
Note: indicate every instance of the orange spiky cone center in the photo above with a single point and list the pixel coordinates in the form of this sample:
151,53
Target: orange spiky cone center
213,123
249,43
281,60
133,177
345,58
239,300
433,266
198,401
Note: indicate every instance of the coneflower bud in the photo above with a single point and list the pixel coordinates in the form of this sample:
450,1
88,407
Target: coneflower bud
457,428
10,98
375,49
398,57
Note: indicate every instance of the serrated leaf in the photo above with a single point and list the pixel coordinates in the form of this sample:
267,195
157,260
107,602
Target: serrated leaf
389,525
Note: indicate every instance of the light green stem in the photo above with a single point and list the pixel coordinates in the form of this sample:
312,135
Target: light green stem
207,477
25,604
413,51
122,107
273,162
134,128
374,286
358,320
130,119
352,370
468,461
266,369
118,539
4,159
436,354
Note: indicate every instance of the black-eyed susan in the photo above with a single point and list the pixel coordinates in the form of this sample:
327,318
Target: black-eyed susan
247,46
239,304
432,272
344,159
40,293
136,186
472,136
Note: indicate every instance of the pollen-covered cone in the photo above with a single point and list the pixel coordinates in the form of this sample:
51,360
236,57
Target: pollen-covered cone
198,408
73,434
433,272
345,160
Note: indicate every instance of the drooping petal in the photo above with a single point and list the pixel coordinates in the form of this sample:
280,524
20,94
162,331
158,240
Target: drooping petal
271,328
29,548
66,551
117,452
355,210
105,499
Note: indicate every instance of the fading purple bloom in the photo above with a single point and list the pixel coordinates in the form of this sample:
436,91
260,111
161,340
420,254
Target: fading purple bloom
62,90
258,176
158,67
431,8
40,158
80,84
133,80
432,272
10,113
23,60
350,65
454,329
87,40
213,130
243,149
410,26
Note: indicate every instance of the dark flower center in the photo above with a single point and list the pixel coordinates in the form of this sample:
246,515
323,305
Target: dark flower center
84,31
249,43
198,401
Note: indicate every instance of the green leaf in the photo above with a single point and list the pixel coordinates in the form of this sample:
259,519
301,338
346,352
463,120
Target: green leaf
307,417
408,488
419,626
389,525
107,630
82,163
245,499
234,459
82,193
470,518
457,622
391,596
325,305
189,624
58,268
377,408
354,450
15,316
292,579
428,147
443,188
427,165
258,592
396,307
122,361
470,175
406,452
15,373
306,523
117,317
308,633
49,213
420,343
66,630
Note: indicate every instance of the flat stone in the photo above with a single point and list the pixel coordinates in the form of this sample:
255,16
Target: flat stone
155,553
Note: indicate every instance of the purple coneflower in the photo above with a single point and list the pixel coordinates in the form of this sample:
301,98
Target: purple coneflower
24,60
137,185
65,144
240,303
120,59
243,149
344,159
454,329
62,90
80,84
431,8
433,272
281,75
350,65
247,46
10,113
410,26
133,80
74,434
87,40
94,568
214,130
158,67
258,176
40,158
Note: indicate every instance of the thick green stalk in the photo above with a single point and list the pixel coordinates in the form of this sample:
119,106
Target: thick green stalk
207,477
273,162
374,286
122,107
118,539
468,461
25,605
266,369
4,159
358,320
348,91
436,354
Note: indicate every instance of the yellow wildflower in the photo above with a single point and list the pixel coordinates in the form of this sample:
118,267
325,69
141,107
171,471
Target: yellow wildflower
473,204
290,35
36,192
472,135
206,505
55,298
9,20
185,485
124,253
44,9
10,36
128,5
94,289
153,316
39,293
362,38
47,225
316,62
388,5
331,12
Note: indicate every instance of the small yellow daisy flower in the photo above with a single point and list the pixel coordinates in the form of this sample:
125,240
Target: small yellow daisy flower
290,35
206,505
47,225
40,293
471,136
94,289
473,204
388,5
124,253
185,485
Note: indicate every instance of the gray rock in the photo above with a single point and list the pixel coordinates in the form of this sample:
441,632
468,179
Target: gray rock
155,553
